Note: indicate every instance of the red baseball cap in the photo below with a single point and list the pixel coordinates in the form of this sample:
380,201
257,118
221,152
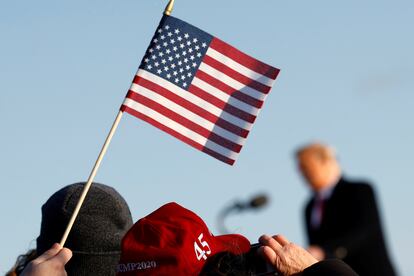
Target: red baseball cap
173,241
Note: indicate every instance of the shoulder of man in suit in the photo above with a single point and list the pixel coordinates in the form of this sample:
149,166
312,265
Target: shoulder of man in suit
356,185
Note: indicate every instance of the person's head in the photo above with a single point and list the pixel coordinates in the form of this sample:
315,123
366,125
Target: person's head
95,238
174,241
318,165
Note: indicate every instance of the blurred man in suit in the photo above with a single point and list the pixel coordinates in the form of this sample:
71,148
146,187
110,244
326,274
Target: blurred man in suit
342,219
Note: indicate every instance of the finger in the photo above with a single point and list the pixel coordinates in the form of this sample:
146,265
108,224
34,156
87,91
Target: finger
57,245
47,254
265,239
271,242
268,254
63,256
281,239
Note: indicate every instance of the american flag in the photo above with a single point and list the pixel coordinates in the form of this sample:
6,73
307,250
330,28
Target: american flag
199,89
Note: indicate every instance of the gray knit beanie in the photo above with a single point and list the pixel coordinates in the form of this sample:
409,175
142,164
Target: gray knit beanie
96,235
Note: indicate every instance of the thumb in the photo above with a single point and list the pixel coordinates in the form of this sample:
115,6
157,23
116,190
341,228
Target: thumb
47,254
268,254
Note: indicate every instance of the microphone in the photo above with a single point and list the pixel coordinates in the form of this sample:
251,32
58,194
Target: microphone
255,202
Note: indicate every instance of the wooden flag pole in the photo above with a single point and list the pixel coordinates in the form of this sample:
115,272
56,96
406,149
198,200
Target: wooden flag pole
167,11
91,177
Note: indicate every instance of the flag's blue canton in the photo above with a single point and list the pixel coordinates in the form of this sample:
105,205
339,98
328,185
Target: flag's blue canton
176,51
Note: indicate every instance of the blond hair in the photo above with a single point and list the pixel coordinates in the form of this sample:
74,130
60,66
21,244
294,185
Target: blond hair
321,151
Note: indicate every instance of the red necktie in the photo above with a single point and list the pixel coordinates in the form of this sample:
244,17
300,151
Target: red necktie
317,212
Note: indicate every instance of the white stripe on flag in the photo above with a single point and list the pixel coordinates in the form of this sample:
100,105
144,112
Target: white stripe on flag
218,112
187,114
239,67
224,96
232,82
180,129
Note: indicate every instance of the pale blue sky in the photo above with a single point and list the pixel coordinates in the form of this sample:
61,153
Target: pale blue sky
346,79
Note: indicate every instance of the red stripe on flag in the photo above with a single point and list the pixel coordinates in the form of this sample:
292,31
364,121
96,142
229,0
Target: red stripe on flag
184,122
190,106
236,75
176,134
228,90
222,105
242,58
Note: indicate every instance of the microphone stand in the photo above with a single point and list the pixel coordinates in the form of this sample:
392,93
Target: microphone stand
222,216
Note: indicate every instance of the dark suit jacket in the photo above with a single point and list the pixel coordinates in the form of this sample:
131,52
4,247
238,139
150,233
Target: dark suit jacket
351,229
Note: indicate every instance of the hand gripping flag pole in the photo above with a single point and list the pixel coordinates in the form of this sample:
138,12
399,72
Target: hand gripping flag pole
92,175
